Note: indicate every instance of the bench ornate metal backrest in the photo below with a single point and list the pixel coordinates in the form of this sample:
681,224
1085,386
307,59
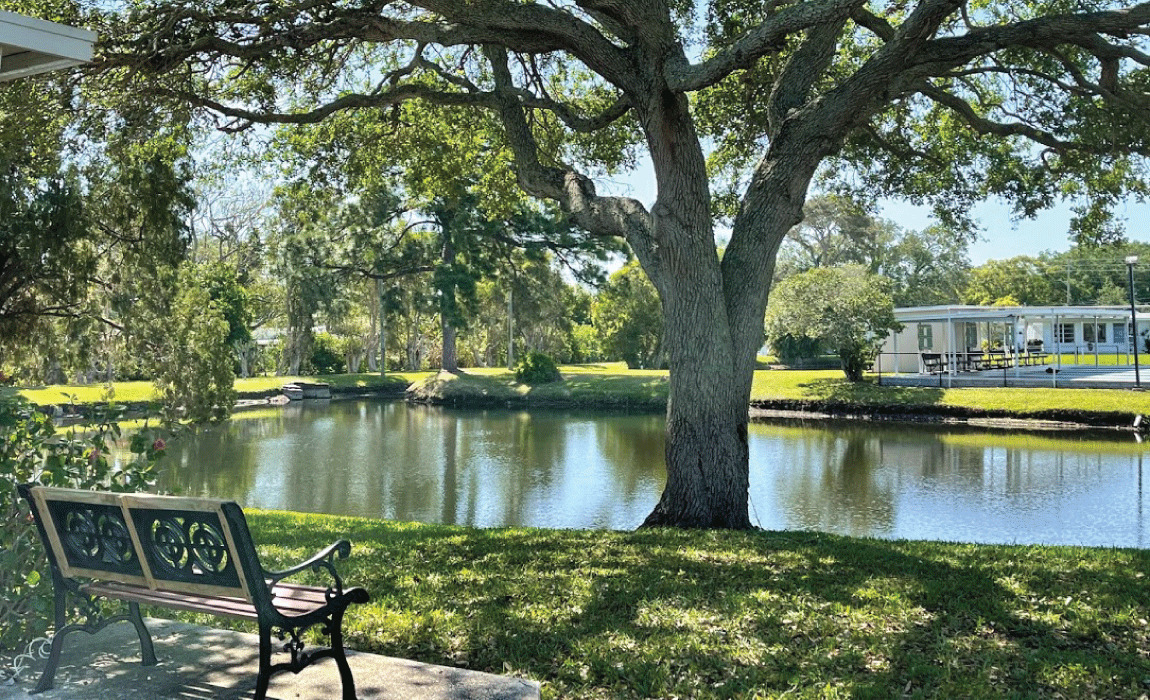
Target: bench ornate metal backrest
184,553
167,543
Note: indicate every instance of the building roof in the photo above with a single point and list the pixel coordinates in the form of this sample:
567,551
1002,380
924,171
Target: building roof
29,46
1000,314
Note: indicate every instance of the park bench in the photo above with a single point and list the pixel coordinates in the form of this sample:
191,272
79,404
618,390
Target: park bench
192,554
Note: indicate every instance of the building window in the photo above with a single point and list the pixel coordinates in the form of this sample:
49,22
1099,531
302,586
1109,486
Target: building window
1065,333
1094,333
925,336
971,335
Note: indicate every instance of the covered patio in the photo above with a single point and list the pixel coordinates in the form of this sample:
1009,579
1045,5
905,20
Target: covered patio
1014,346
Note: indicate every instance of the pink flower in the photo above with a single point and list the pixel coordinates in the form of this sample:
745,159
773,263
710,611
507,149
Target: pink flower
93,456
159,444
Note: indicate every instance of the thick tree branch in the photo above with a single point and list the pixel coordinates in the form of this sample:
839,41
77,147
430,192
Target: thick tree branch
769,37
575,192
525,28
1084,30
803,69
989,127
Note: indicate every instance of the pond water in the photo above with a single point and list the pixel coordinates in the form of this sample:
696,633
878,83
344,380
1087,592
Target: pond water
492,468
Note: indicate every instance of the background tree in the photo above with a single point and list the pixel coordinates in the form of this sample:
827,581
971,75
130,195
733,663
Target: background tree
194,357
846,310
928,267
1021,280
626,317
934,100
835,230
925,268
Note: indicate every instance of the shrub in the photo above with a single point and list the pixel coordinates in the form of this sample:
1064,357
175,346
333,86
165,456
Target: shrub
33,451
537,368
325,355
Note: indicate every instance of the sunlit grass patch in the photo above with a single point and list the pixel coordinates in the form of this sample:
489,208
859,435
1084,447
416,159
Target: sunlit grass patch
706,615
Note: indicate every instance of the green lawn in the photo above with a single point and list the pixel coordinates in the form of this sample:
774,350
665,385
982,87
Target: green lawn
612,384
670,614
131,392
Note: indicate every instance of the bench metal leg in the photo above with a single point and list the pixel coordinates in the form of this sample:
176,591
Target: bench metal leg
336,630
60,598
48,676
265,662
147,652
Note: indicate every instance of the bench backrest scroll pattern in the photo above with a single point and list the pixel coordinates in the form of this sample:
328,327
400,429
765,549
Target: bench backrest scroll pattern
185,548
166,543
91,539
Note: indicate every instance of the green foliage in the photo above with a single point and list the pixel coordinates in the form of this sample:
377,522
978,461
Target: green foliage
847,309
192,356
537,368
226,290
1021,279
325,357
629,319
925,268
792,349
33,450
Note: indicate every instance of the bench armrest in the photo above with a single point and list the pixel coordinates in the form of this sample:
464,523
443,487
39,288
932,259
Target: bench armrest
324,559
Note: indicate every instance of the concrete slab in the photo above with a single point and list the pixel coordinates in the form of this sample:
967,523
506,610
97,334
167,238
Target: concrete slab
201,663
1067,376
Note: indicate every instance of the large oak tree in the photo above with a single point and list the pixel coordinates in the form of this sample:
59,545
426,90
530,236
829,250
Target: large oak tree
938,100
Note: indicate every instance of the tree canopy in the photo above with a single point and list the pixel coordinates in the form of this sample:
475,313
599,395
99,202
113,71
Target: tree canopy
938,101
846,310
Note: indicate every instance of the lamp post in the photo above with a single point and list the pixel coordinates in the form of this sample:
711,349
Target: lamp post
1130,260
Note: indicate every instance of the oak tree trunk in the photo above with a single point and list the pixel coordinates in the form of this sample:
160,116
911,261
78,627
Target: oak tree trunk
706,445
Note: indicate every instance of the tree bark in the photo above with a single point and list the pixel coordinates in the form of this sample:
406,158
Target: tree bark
706,447
449,360
379,298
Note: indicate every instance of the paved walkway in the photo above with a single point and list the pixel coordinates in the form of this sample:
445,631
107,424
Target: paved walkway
200,663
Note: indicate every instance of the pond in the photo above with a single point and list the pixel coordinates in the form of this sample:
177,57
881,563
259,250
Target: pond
572,469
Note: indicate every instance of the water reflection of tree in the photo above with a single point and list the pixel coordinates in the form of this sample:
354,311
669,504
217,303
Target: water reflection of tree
833,483
632,447
217,461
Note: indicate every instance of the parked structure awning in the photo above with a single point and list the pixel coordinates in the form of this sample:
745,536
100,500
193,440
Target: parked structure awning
29,46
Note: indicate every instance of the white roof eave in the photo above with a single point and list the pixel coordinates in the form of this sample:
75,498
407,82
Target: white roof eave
1006,313
30,46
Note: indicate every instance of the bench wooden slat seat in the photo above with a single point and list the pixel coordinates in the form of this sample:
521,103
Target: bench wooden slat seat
290,600
188,554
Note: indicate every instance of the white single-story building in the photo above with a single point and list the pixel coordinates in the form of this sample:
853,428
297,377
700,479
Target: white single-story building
953,330
30,46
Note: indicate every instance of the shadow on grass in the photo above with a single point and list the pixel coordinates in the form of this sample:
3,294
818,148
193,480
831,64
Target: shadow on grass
728,615
869,393
617,389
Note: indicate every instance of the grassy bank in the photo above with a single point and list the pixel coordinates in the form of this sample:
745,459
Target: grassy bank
665,614
613,385
250,387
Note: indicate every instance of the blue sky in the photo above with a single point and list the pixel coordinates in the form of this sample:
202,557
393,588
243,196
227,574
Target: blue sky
1004,238
1001,238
